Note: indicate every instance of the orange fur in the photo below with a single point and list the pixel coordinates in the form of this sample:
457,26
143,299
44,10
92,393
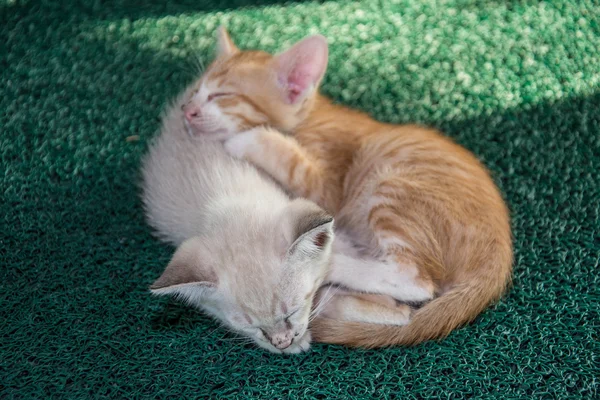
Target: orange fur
405,192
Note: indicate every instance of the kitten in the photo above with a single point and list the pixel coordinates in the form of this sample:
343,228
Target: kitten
247,254
426,221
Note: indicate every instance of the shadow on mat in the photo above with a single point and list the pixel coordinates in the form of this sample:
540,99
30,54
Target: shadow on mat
135,9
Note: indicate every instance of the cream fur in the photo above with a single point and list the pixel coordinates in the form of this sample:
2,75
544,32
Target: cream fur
247,252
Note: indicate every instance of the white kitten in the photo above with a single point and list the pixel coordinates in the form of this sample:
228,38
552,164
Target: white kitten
247,255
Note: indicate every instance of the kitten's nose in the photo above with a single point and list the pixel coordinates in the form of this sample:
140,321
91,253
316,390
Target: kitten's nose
283,344
282,341
191,112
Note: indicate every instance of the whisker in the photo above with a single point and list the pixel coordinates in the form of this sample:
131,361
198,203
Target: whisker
213,331
233,339
190,68
208,125
200,64
323,301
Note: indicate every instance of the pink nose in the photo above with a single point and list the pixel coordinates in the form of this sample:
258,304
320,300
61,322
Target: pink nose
191,112
283,345
282,341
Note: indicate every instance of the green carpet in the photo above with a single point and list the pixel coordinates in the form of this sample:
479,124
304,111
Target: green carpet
517,82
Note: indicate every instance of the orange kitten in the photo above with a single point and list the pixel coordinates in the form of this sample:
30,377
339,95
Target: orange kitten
425,221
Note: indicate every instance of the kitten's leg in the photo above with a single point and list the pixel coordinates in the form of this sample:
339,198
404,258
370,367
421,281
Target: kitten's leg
366,308
399,281
281,157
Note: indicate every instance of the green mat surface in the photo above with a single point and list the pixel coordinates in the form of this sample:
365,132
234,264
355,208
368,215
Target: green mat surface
517,82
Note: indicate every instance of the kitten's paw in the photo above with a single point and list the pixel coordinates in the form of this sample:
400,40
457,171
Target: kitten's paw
301,345
242,143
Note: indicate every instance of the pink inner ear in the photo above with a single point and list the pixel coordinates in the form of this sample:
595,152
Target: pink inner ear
294,90
300,79
321,239
302,66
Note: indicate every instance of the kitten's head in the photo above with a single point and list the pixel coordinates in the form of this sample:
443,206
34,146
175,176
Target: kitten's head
259,280
244,89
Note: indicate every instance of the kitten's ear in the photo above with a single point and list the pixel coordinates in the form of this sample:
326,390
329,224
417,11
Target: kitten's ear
301,68
310,228
225,46
186,274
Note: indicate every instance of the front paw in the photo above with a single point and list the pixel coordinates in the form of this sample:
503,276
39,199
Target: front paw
301,345
243,143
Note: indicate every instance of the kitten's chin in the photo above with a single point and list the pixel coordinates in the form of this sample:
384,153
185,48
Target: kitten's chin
299,345
199,133
267,346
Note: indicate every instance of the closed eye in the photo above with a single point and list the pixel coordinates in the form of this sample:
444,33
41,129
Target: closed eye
213,96
289,315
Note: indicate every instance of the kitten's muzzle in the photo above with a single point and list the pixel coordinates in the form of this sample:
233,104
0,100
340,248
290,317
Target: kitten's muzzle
283,344
282,340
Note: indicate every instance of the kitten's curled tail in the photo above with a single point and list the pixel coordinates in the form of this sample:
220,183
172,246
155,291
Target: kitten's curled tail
458,306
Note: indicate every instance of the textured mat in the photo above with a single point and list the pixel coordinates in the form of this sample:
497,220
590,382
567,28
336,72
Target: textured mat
517,82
